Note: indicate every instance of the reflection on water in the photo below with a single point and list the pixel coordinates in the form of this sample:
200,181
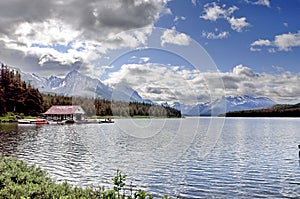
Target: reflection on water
249,158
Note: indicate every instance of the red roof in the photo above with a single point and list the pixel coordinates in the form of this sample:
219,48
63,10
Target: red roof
63,110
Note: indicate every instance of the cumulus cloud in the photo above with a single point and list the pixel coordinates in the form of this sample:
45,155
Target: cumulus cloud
283,42
162,83
261,42
287,41
213,12
260,2
213,35
172,37
238,24
29,27
241,70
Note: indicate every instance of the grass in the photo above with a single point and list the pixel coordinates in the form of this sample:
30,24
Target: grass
21,181
11,117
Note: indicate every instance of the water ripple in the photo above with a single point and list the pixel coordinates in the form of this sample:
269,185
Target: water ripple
253,158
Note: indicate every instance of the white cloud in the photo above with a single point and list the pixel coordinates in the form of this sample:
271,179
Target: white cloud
260,2
212,35
287,41
271,50
167,11
173,37
194,2
238,24
144,59
283,42
241,70
213,12
261,42
47,32
177,18
254,49
162,83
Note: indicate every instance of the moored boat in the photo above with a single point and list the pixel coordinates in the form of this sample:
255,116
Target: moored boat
33,121
106,121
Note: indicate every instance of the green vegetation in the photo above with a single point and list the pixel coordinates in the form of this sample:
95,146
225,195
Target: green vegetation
279,110
18,180
103,107
19,98
16,96
11,117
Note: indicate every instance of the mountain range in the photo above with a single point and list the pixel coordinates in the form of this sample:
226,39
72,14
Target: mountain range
77,84
224,105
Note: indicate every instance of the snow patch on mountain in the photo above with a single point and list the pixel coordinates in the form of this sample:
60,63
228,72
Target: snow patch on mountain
225,104
77,84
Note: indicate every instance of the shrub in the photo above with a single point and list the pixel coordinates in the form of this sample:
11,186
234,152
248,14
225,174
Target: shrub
21,181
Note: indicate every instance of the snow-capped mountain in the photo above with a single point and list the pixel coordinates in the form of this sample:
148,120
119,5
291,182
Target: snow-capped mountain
125,93
77,84
54,81
226,104
247,102
74,84
166,104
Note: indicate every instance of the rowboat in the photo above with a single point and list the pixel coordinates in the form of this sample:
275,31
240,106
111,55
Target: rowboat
33,121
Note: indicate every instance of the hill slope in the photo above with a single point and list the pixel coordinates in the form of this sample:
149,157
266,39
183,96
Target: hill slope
279,110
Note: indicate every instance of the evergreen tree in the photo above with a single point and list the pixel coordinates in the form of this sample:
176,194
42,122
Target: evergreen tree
15,96
2,102
33,101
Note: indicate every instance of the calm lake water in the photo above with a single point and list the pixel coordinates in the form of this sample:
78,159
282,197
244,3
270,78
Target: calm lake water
191,157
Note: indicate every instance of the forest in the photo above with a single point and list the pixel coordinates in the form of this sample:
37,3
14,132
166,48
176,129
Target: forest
16,96
279,110
103,107
19,97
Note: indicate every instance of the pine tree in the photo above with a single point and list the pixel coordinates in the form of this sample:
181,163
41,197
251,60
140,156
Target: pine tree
33,101
2,102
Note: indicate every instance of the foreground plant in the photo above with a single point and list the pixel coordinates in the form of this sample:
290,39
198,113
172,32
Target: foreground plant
20,181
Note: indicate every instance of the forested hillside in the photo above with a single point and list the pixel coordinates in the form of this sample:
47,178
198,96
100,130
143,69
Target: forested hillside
17,96
279,110
102,107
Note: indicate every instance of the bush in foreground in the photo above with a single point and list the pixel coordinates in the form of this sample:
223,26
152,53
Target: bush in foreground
20,181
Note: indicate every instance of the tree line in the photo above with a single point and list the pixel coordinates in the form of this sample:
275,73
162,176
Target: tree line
17,96
279,110
104,107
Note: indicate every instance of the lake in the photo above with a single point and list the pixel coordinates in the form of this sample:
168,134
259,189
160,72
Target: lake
190,157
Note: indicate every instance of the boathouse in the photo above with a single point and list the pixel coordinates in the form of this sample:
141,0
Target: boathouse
61,113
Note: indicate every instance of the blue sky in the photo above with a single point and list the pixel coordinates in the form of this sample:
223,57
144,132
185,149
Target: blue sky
185,50
265,22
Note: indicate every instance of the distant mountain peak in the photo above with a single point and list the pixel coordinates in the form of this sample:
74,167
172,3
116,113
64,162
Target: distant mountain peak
225,104
77,84
165,104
